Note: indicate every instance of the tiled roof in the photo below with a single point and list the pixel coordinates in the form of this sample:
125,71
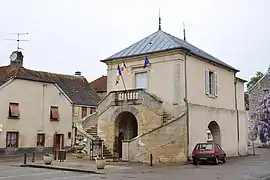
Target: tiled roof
162,41
76,88
100,84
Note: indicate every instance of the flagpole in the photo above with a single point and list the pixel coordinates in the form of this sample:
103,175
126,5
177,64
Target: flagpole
123,82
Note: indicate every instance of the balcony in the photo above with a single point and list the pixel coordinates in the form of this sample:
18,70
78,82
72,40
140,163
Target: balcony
131,97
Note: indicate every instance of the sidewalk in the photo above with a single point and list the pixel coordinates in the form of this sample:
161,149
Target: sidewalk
85,165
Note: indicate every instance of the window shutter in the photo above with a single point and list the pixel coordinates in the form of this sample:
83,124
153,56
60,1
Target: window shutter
216,83
207,82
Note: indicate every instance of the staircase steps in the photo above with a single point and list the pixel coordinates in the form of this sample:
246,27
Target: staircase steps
93,132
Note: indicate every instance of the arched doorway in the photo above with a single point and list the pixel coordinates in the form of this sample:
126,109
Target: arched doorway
215,131
126,128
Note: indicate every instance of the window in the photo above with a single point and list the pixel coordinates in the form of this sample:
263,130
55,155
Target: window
41,139
141,80
14,111
84,112
93,110
69,135
54,113
12,139
211,83
205,147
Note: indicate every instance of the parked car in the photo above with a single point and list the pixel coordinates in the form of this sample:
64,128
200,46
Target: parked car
204,152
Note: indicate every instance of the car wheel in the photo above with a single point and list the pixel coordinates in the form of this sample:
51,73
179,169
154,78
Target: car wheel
224,159
195,161
216,161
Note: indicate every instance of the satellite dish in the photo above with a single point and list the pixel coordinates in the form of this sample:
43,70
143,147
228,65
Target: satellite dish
13,56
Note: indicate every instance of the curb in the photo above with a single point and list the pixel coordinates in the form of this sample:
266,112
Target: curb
60,168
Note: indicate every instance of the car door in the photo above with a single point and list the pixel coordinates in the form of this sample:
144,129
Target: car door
220,151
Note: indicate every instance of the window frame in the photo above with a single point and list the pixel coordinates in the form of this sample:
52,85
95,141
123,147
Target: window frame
10,116
211,83
17,139
51,113
83,111
135,79
43,139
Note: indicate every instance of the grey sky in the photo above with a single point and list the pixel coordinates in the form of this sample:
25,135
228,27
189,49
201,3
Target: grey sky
70,35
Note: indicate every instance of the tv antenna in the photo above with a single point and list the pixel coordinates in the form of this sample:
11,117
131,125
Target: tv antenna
18,39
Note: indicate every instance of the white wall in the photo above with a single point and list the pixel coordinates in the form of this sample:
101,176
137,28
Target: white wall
35,101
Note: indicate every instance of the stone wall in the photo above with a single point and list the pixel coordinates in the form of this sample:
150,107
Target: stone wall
90,121
146,119
167,143
257,91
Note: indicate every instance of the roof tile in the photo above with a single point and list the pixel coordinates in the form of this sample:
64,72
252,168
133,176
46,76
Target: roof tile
76,88
162,41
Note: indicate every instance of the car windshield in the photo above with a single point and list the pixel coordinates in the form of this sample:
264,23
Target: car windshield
205,147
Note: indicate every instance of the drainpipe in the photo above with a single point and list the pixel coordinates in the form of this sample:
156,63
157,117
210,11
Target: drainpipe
43,99
237,115
72,128
186,99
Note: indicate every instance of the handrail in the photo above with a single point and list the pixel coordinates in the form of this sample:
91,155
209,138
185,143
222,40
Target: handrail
160,146
82,131
85,118
169,122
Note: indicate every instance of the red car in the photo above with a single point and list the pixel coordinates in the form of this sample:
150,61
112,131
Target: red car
204,152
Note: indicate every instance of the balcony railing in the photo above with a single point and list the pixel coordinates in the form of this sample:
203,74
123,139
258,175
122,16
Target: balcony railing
130,97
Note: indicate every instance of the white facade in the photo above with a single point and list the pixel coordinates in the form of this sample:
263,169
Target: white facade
35,102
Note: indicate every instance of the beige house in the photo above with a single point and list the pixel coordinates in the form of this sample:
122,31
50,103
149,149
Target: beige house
100,86
38,108
168,107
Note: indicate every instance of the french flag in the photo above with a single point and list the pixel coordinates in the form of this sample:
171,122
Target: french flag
123,66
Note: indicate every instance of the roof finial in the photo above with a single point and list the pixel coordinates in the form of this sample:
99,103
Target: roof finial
184,30
159,20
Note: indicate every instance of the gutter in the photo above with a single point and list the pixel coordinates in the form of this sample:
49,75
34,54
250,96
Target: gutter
186,99
237,116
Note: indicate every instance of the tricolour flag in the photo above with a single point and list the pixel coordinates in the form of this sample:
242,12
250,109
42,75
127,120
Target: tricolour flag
146,62
118,74
123,66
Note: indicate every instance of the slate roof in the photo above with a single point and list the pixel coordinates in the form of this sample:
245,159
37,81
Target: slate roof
76,88
162,41
100,84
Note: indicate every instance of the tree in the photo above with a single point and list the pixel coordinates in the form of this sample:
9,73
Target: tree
262,119
253,80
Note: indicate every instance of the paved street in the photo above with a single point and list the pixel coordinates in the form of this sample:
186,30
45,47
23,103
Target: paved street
246,168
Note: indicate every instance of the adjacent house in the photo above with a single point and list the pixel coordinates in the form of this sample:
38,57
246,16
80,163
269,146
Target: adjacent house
100,86
38,108
173,93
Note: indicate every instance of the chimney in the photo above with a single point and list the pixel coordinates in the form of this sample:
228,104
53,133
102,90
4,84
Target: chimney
16,58
78,73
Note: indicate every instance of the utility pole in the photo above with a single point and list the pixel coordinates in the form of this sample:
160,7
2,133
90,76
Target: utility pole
18,39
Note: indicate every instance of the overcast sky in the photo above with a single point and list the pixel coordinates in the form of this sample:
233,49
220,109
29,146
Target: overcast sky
70,35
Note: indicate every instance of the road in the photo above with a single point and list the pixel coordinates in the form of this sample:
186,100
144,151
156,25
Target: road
246,168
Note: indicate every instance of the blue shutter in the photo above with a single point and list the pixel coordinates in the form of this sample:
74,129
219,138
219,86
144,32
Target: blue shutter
207,82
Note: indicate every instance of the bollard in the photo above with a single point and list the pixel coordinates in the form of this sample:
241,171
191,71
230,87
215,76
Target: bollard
24,159
151,160
33,158
55,155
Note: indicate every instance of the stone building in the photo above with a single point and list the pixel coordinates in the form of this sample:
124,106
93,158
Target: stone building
167,108
38,108
259,89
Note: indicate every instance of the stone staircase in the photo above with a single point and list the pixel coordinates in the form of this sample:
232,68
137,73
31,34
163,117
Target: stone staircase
93,132
166,117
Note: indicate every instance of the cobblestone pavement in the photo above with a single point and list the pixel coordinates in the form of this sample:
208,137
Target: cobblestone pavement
246,168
